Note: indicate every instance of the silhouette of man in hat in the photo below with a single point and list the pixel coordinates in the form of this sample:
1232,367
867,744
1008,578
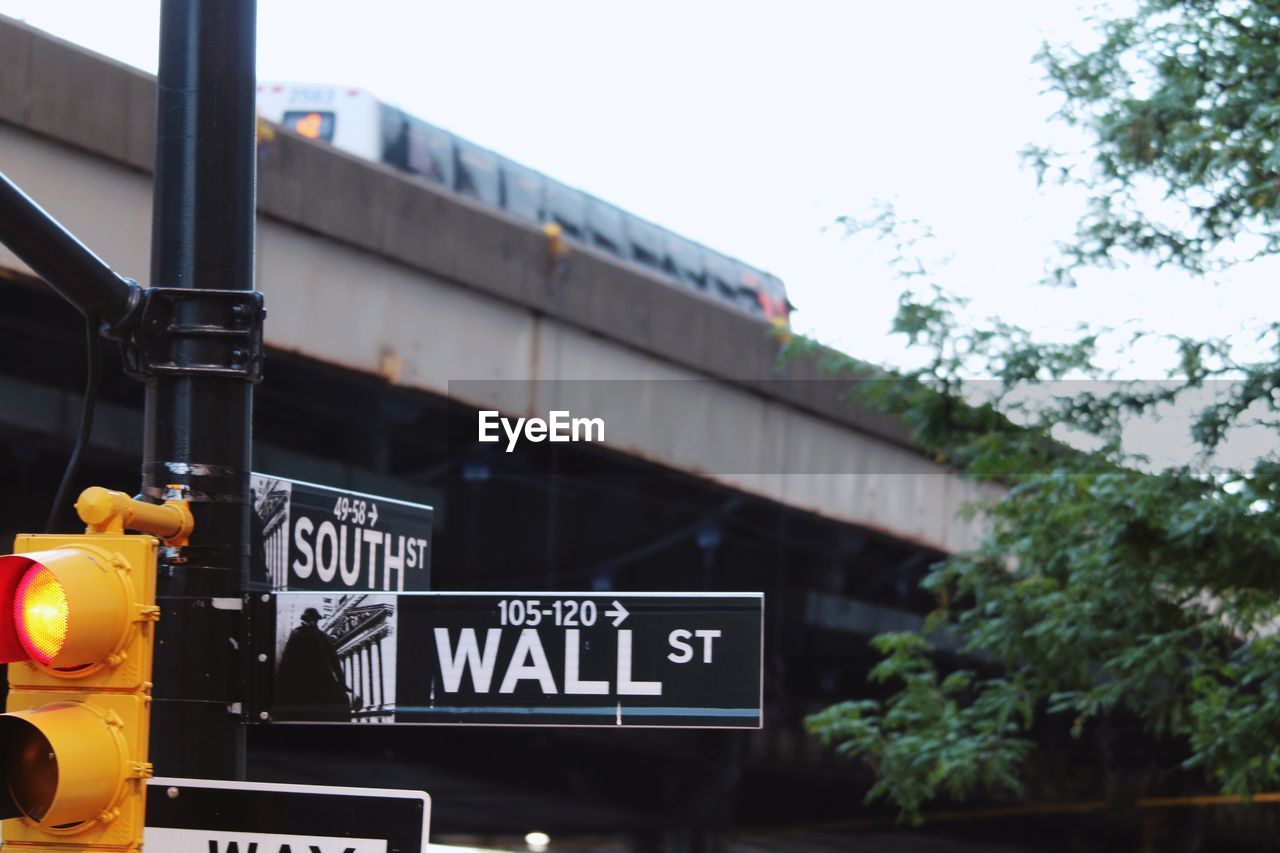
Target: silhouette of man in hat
310,684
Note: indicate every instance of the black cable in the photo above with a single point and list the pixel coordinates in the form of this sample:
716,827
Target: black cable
94,346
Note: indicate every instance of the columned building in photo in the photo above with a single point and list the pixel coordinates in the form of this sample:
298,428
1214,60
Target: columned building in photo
363,627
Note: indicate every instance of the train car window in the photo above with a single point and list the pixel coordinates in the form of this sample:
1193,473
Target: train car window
568,207
429,153
605,226
683,259
395,136
521,191
644,240
313,124
478,174
750,282
721,275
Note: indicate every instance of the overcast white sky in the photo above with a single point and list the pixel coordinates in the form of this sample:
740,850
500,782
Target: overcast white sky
748,126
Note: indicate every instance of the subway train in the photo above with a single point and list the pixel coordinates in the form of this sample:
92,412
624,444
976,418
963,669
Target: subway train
355,121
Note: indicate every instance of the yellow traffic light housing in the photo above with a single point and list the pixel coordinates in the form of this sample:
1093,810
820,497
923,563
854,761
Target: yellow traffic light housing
77,617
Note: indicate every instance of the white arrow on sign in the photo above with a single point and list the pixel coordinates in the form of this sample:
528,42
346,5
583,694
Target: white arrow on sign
373,515
618,612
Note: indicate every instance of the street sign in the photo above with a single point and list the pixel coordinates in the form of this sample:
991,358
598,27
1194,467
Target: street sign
207,816
309,537
520,658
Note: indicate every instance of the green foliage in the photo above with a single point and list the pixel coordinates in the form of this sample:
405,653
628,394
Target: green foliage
934,736
1098,588
1181,99
1104,584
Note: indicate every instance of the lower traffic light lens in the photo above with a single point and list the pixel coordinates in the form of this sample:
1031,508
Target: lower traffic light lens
40,614
32,772
64,763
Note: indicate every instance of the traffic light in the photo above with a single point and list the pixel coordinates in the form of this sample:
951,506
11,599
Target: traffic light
77,616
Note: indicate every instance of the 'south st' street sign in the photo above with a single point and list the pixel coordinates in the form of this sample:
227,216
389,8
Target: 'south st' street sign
309,537
207,816
521,658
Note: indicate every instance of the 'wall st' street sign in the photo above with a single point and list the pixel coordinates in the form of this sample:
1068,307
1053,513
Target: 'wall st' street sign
520,658
309,537
208,816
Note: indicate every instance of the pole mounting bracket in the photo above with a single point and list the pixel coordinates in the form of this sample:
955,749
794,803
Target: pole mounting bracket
187,331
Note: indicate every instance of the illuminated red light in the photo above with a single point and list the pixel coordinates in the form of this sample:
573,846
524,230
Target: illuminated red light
40,614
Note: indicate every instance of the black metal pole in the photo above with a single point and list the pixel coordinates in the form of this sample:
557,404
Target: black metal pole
197,427
76,273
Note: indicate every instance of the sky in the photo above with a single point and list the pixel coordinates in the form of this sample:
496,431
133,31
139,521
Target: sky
749,127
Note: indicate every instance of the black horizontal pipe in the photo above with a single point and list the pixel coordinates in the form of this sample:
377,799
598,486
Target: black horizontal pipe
76,273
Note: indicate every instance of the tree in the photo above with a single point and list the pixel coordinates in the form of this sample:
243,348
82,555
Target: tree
1106,585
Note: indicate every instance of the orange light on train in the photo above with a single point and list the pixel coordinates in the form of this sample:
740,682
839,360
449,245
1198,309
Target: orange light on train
309,125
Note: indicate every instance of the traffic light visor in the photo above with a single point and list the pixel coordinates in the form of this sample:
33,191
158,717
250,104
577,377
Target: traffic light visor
68,608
